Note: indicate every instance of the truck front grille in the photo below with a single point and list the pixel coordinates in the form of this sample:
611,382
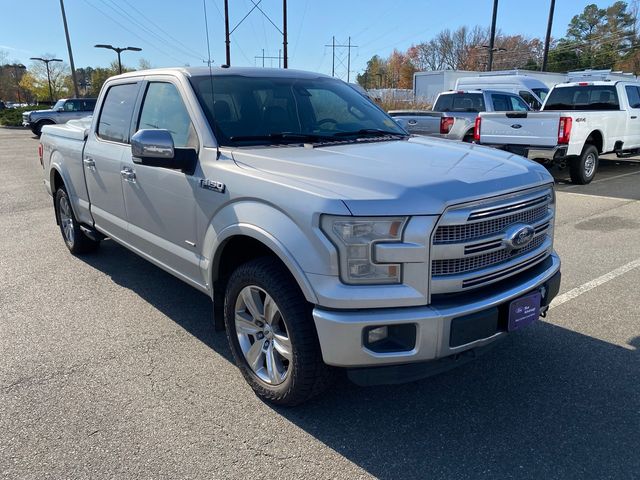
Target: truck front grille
470,249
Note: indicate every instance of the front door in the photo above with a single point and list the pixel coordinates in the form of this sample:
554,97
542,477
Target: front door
160,202
102,159
633,120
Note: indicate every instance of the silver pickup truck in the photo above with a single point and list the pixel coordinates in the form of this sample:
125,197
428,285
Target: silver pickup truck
455,112
64,110
325,235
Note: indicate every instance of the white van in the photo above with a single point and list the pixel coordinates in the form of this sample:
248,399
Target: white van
532,90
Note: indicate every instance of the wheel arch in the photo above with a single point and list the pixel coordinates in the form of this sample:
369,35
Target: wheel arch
596,139
242,242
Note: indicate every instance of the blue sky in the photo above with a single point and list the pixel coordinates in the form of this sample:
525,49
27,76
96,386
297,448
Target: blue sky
172,32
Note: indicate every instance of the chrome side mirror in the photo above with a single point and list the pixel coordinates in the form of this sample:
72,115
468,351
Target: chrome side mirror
152,144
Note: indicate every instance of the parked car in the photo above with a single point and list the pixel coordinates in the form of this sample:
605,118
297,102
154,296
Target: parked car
454,113
532,90
579,122
324,234
63,111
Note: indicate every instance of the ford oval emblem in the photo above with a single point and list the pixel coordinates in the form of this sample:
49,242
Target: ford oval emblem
519,236
516,125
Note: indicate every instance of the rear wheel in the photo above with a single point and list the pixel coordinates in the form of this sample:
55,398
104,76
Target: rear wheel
74,238
583,168
272,335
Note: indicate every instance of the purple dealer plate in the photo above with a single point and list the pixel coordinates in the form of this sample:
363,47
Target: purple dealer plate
524,311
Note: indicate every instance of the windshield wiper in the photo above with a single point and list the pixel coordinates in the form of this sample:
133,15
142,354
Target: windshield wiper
279,137
375,132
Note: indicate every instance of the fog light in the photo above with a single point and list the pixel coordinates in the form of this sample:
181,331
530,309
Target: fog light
377,334
390,338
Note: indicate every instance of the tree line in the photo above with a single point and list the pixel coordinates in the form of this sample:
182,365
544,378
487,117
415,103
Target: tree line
596,38
30,84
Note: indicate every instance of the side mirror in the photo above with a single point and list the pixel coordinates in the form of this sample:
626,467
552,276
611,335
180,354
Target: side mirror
60,109
154,148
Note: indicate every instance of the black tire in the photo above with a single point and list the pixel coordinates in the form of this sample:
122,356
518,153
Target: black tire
306,375
583,168
37,128
74,238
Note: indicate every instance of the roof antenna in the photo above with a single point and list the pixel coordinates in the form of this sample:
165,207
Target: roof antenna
209,61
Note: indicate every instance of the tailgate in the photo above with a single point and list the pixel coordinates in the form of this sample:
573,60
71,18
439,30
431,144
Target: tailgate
420,123
539,129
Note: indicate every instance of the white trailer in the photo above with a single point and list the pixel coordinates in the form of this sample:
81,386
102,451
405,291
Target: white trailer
428,85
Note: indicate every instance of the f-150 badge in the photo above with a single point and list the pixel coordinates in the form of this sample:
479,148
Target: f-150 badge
212,185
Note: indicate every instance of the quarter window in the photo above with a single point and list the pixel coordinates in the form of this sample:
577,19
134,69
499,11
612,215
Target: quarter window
163,108
115,117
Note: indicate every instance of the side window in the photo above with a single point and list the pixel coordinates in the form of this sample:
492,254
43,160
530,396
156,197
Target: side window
633,95
517,105
501,103
88,105
530,99
117,109
72,105
163,108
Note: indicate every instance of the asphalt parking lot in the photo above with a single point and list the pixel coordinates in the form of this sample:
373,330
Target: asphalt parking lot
110,368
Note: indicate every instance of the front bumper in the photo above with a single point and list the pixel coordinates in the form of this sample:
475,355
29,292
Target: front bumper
341,333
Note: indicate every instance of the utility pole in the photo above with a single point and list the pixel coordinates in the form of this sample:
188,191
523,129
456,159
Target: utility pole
547,39
263,57
493,35
227,41
73,67
333,46
47,61
284,33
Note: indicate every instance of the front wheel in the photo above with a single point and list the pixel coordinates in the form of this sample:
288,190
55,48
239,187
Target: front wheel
74,238
272,335
583,168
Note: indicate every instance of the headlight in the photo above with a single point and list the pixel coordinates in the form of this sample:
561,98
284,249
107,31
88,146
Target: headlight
354,237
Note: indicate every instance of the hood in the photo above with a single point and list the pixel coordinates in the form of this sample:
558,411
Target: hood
419,176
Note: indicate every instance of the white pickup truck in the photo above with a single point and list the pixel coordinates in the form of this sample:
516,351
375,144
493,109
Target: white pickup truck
325,235
578,122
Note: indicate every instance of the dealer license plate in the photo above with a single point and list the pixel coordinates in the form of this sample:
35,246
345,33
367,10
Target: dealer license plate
524,311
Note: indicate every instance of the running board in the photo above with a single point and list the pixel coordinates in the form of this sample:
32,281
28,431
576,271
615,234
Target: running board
92,233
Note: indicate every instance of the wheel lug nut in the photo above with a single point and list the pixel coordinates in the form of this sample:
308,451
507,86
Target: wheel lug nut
260,335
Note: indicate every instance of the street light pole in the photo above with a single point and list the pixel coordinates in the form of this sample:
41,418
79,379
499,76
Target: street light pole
492,35
46,62
118,50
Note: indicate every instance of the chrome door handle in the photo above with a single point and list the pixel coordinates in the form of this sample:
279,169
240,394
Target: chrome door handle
90,163
128,174
412,122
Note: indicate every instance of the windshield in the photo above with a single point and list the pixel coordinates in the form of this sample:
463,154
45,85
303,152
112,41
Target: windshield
541,92
265,110
59,104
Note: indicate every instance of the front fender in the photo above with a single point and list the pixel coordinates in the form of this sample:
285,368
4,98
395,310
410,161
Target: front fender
299,244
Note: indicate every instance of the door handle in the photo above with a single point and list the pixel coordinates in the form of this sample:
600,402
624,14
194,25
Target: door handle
633,117
412,122
128,174
90,163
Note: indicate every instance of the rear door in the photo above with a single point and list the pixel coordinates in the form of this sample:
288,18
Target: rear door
107,145
160,202
633,116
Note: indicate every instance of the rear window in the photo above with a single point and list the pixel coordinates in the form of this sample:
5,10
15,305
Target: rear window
508,103
117,109
460,102
593,97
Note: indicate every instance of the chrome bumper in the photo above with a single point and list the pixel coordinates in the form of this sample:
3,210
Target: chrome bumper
546,153
341,333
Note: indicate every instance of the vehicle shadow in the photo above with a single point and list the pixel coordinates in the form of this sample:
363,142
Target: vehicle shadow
615,178
183,304
545,403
